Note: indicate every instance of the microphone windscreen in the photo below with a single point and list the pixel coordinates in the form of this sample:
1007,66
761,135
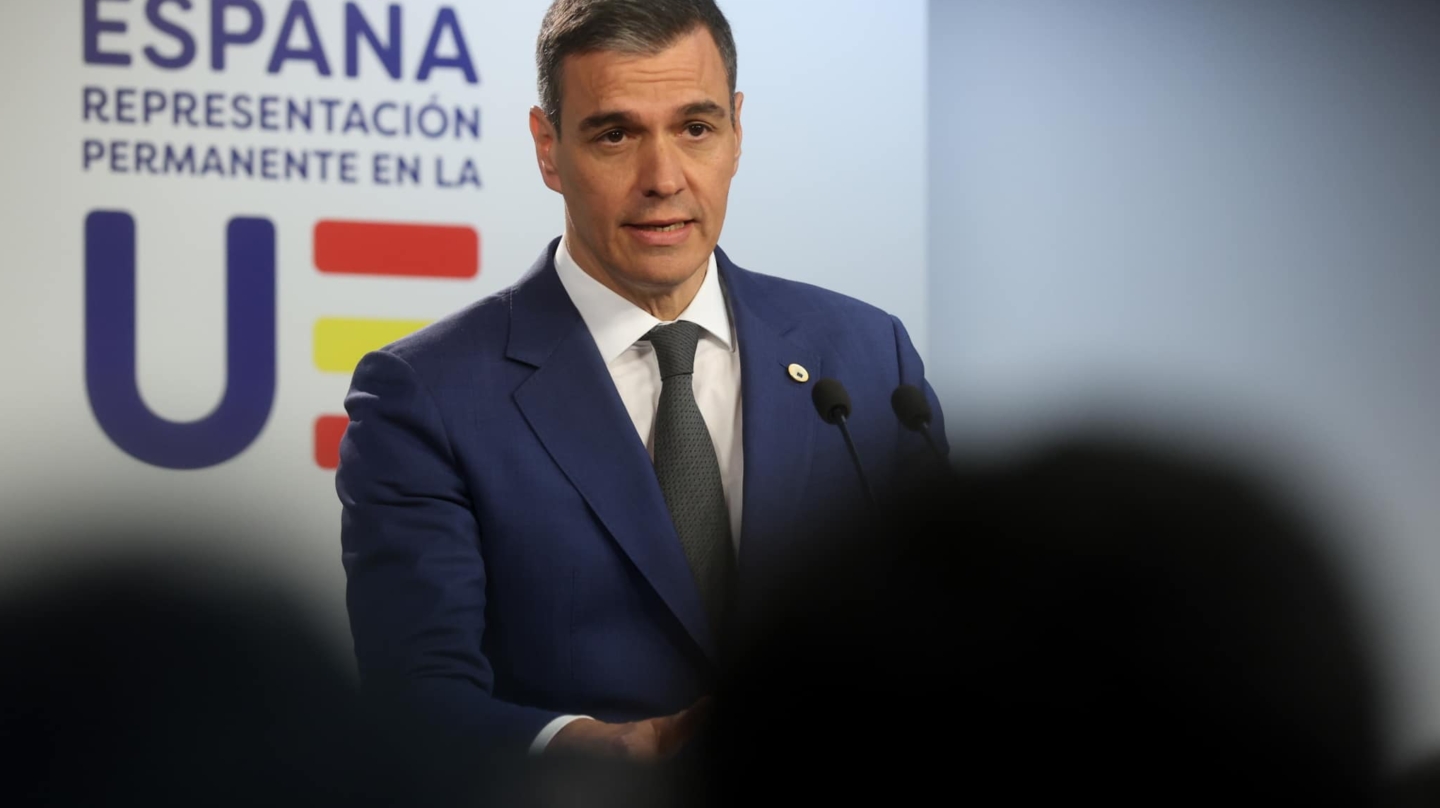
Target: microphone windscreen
911,407
831,400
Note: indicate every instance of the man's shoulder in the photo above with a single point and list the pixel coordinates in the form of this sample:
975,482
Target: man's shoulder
809,295
805,304
468,334
476,334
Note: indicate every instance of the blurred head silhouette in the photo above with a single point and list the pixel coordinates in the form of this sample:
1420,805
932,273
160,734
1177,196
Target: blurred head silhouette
1099,619
159,683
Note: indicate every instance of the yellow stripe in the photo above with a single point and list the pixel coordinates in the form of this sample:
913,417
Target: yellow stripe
340,342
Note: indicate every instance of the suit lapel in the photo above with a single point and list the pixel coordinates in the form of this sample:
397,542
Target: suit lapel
779,423
571,403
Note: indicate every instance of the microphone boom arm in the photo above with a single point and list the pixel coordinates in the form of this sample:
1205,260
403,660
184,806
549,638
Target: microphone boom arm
855,458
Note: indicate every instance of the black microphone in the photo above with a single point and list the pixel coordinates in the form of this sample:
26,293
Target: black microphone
833,404
913,409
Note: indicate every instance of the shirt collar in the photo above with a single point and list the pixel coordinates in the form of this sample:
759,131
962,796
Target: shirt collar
616,324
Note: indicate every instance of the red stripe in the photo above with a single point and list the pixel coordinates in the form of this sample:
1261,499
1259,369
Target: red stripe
328,431
405,250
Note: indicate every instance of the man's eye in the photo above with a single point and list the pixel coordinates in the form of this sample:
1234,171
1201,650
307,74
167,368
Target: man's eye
613,136
697,129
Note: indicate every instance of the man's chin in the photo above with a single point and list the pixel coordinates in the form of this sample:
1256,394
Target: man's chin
661,271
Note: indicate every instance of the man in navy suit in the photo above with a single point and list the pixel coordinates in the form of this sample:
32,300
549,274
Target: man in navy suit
561,499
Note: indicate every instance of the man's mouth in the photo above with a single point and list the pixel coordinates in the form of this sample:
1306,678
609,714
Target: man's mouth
662,228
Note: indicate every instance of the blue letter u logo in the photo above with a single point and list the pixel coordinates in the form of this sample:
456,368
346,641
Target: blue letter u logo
110,347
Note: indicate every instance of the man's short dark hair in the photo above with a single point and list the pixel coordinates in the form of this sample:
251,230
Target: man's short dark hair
573,27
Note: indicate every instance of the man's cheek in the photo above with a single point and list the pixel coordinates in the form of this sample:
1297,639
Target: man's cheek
604,183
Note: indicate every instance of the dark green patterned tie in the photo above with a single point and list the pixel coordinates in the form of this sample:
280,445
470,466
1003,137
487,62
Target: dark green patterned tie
688,471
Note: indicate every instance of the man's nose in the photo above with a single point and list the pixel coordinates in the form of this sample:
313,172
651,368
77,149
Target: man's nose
662,171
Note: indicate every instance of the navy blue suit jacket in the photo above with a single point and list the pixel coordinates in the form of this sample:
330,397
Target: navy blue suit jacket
508,552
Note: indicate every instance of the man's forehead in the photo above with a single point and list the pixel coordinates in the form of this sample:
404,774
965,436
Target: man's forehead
690,68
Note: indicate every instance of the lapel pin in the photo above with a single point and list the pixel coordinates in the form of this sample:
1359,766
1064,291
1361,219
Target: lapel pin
798,373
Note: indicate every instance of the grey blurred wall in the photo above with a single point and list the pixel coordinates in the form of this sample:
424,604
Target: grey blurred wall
1217,222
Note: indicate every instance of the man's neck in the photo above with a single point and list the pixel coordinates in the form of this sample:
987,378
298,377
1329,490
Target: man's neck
663,303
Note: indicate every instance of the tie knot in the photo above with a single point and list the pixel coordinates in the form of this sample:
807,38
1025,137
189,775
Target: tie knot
675,347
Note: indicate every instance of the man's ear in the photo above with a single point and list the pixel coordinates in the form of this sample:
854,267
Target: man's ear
739,132
546,139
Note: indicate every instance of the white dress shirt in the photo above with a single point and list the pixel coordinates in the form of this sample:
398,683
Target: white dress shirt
618,327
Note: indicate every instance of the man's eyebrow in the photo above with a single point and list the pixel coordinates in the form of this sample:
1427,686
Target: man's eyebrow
606,119
703,108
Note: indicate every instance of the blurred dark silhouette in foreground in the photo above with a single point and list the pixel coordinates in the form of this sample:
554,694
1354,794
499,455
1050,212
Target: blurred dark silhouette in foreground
154,684
1418,785
1096,620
